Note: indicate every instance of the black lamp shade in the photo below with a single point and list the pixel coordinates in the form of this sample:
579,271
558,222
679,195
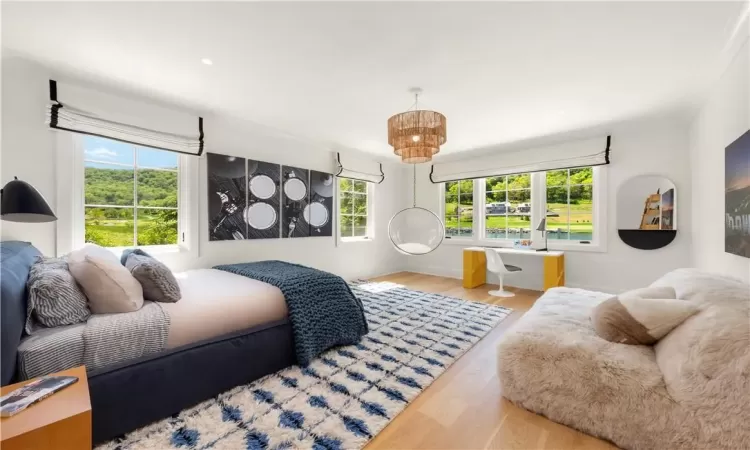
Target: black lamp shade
22,203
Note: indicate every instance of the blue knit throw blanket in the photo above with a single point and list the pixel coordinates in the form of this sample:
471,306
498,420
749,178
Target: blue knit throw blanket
323,311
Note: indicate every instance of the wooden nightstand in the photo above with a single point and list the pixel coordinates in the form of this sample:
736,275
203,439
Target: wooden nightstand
61,421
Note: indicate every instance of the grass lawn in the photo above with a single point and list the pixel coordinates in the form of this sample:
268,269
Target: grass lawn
581,219
117,232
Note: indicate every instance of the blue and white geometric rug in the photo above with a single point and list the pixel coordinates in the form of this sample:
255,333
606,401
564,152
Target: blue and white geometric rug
347,395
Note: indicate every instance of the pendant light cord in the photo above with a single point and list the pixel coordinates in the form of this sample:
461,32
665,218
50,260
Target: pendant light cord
415,105
414,196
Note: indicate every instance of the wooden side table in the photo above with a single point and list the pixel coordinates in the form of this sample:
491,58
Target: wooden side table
61,421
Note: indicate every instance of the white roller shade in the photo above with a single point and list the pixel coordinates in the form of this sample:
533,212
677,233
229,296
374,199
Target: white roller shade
590,152
81,110
359,168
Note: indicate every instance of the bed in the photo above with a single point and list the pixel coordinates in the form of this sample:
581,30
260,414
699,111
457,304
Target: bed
213,304
209,349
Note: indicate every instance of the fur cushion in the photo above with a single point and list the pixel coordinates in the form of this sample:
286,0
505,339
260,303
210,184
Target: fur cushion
681,393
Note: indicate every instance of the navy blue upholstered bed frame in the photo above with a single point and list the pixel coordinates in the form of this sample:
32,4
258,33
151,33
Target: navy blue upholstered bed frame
135,393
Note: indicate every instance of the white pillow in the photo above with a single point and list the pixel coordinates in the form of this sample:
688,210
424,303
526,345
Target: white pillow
641,316
108,285
663,292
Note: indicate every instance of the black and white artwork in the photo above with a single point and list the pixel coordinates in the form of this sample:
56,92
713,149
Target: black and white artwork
227,181
263,200
295,197
249,199
319,211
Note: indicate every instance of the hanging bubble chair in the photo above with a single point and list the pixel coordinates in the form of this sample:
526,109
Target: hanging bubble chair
416,135
415,230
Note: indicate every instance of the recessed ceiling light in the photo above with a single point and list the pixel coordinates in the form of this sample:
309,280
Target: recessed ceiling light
207,61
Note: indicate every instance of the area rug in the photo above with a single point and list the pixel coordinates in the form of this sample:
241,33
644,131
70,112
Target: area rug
348,394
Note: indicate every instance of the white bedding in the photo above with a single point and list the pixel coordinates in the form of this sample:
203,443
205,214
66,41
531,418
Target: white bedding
215,302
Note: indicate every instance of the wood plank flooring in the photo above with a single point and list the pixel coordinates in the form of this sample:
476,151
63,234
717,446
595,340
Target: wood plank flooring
464,408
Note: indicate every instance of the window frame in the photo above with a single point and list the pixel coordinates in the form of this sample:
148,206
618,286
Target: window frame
474,225
568,187
135,206
538,209
483,225
369,194
71,230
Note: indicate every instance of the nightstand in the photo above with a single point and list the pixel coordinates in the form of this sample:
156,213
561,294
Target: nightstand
61,421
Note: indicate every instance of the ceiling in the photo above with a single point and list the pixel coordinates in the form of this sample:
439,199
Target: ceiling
334,72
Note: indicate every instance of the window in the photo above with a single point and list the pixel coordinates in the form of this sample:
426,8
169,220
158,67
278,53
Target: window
130,194
507,207
511,207
353,208
459,208
570,209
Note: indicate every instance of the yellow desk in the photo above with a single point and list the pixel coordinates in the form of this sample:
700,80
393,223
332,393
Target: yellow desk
475,265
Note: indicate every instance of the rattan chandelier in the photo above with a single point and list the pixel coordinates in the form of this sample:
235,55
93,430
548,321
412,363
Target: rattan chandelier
416,134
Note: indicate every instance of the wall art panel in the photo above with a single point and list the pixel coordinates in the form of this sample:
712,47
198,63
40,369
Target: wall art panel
737,197
295,197
263,212
319,211
227,182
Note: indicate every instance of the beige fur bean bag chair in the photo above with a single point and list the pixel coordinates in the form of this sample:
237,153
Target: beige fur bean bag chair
690,390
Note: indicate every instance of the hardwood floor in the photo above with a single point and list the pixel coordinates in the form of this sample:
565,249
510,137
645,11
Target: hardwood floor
464,408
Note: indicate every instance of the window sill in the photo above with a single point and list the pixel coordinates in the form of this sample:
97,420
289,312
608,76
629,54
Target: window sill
461,241
508,243
348,240
153,250
575,247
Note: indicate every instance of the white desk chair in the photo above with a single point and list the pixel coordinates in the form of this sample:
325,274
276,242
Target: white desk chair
495,265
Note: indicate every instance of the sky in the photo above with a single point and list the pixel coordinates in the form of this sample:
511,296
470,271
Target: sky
738,163
109,151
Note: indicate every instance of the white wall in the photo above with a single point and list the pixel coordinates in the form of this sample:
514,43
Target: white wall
723,118
652,147
29,151
27,145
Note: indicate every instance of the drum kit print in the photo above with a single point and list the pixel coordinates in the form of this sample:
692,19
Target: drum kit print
227,181
307,203
262,211
251,199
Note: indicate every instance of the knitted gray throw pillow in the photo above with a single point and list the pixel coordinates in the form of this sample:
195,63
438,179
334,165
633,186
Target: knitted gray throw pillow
54,296
159,283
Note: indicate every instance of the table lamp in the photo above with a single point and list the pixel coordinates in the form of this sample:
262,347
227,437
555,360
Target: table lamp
543,228
21,202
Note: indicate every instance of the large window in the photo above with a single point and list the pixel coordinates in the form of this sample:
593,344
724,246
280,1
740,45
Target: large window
459,208
511,207
353,210
570,209
507,207
130,194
